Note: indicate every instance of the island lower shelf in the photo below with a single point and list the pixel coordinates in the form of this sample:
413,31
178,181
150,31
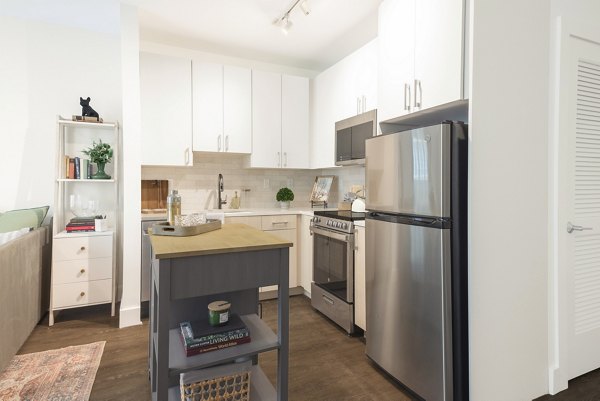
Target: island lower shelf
262,339
260,388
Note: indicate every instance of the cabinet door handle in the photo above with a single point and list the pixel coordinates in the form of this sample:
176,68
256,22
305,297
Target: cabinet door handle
278,159
226,143
409,96
284,159
82,248
219,143
420,93
82,271
82,294
406,91
187,156
364,104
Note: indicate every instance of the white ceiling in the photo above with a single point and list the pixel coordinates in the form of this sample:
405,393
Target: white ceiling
244,28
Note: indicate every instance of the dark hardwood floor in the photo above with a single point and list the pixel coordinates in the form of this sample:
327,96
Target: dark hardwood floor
325,364
582,388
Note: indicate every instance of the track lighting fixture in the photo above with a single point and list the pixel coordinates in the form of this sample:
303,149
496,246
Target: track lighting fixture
284,22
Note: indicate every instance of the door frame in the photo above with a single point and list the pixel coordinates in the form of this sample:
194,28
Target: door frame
563,31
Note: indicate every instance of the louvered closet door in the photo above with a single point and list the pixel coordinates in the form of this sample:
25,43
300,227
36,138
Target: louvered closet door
581,212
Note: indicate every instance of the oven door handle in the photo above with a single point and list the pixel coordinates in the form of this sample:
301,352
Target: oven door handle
331,234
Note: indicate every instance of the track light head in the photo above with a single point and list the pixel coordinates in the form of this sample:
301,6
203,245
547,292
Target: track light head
285,24
305,7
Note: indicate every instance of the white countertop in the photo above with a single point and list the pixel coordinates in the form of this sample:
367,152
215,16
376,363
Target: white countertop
359,223
307,211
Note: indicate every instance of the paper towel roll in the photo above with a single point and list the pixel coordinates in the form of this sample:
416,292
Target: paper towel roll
358,205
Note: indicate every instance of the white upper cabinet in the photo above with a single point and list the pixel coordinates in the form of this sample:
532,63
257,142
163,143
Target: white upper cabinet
208,106
421,52
396,57
280,121
346,89
237,109
266,119
166,110
439,52
222,108
294,122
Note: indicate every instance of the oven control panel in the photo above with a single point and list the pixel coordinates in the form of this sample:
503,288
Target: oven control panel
333,224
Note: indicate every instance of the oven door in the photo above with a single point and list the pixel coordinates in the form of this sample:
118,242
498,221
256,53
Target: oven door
333,262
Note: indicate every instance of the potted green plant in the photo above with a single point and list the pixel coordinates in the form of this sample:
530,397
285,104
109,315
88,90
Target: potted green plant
99,153
284,197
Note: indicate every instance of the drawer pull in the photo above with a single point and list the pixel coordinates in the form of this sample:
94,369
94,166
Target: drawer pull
82,248
279,222
82,294
82,271
328,300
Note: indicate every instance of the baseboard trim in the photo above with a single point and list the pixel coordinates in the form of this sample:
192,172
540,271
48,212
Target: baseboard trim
129,316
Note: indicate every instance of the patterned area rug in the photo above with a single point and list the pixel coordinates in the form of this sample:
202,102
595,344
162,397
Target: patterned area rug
65,374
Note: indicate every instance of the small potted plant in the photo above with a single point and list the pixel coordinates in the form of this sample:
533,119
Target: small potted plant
100,153
284,197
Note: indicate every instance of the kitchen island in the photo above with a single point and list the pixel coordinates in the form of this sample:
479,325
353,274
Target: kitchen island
227,264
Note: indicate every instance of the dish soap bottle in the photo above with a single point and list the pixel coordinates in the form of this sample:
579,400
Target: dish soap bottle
173,206
235,202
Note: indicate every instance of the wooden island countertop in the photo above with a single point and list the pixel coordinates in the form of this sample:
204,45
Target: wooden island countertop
229,238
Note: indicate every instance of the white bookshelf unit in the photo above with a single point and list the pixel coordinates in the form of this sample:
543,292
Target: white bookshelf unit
84,263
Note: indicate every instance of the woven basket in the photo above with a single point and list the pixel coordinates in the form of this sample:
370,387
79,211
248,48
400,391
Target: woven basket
231,387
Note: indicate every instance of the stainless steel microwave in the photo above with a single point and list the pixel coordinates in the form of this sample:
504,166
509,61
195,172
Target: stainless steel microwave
350,137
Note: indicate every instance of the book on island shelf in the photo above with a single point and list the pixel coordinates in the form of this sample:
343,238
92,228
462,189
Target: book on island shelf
199,336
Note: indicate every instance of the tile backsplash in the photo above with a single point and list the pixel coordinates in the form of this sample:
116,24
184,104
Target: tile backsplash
256,187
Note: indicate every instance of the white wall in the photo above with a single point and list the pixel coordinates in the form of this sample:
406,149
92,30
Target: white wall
130,184
508,201
44,69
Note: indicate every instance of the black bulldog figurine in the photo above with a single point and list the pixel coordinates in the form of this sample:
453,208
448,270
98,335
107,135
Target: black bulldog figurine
86,109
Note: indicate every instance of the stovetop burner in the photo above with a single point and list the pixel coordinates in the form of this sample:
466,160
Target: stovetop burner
341,214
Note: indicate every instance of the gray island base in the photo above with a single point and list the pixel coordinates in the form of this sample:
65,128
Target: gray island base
227,264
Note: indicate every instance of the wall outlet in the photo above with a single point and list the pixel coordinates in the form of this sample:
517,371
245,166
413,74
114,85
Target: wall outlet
290,183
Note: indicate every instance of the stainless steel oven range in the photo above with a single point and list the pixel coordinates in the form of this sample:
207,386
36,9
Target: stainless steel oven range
332,289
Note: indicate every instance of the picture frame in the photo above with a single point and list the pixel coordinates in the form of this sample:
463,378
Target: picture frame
321,188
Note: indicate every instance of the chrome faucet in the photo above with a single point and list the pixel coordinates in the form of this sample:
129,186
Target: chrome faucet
220,189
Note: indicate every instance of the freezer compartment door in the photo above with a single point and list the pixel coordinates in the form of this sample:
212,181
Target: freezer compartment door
408,305
409,172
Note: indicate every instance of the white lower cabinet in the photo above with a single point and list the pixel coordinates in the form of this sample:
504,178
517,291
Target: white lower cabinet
305,253
360,305
283,226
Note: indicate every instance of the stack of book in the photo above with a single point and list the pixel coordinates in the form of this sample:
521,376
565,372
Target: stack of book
81,224
77,168
199,336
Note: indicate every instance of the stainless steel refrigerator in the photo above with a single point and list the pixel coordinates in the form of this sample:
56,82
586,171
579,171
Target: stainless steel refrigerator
416,259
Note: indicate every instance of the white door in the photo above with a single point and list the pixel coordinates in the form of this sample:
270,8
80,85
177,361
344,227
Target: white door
208,106
266,120
579,201
294,122
237,109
